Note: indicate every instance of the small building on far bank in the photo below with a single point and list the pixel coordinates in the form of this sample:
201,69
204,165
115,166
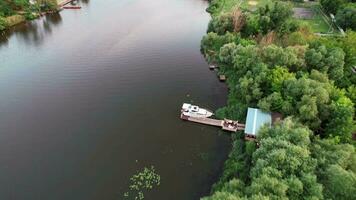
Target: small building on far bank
255,119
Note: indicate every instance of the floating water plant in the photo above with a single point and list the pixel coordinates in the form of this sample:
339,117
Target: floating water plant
141,182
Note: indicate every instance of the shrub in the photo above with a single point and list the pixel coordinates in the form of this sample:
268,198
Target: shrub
2,23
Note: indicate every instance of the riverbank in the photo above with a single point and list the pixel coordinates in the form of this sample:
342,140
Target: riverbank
271,62
14,20
31,12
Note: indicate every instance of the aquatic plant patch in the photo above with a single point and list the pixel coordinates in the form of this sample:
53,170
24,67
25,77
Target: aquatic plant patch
141,182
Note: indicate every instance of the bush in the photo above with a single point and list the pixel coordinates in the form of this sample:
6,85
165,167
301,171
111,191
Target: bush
221,24
2,23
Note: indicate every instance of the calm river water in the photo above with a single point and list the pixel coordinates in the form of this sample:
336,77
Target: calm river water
91,96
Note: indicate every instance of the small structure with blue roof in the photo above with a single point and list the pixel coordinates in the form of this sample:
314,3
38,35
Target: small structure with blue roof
255,119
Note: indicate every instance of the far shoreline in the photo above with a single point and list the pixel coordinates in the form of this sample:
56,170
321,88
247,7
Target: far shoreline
19,17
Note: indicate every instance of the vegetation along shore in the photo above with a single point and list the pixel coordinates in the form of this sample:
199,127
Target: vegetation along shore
13,12
298,59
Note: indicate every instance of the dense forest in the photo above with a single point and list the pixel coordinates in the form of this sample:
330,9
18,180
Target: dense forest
278,63
15,11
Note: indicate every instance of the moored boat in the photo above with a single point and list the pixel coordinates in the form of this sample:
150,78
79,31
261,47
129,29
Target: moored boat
195,111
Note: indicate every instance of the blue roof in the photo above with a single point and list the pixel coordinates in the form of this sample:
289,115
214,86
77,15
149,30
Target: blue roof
255,120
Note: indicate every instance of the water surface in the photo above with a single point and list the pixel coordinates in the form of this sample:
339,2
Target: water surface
90,96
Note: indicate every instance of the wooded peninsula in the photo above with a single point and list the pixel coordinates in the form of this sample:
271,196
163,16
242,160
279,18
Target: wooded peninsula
297,59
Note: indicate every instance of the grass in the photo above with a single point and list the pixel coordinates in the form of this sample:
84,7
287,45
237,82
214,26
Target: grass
14,19
318,22
228,5
252,5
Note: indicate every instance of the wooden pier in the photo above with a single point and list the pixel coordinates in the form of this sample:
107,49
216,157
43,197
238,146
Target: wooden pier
212,67
64,2
228,125
71,7
222,77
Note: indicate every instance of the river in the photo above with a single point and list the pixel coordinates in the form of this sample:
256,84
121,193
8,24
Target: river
91,96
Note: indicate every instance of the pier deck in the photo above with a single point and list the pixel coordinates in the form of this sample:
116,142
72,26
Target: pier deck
227,125
64,2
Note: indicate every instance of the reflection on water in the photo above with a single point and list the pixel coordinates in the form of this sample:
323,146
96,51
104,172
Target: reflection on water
32,33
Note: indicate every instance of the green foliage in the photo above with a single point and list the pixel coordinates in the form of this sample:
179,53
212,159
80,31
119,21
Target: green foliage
256,77
252,26
275,18
6,8
214,6
346,18
2,23
10,7
221,24
341,125
341,183
278,76
17,11
331,6
328,60
311,81
227,52
348,45
212,42
47,5
238,164
273,56
283,167
336,168
143,181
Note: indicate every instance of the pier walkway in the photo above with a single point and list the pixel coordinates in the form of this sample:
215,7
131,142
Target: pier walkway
228,125
64,2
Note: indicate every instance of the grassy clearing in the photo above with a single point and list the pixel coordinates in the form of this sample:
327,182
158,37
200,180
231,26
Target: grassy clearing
252,5
228,5
318,22
15,19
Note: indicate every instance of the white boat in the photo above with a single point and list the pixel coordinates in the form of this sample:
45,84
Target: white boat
194,111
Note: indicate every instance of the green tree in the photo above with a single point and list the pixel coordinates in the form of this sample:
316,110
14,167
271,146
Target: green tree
340,183
283,167
226,53
274,18
346,18
341,124
221,24
331,6
212,42
277,77
328,60
336,168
